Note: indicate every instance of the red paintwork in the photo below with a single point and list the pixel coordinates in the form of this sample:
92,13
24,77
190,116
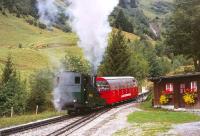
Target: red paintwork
114,93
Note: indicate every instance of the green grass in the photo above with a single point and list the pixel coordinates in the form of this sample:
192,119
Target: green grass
151,114
151,122
17,120
162,116
15,31
34,54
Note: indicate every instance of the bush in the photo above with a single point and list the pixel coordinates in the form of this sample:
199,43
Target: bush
4,13
67,29
76,63
40,90
20,45
42,26
29,21
35,23
18,15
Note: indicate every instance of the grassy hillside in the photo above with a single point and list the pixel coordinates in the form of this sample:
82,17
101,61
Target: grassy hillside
40,48
15,31
37,44
156,8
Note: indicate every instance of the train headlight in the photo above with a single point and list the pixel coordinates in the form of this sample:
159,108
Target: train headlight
74,101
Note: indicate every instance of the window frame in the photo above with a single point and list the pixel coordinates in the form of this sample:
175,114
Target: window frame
171,87
193,85
77,78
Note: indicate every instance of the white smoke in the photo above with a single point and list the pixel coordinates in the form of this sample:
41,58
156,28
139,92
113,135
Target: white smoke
47,10
89,19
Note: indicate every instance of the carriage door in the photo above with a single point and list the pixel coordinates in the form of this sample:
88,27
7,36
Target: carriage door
181,93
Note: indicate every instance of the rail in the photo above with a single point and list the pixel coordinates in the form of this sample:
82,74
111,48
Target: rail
16,129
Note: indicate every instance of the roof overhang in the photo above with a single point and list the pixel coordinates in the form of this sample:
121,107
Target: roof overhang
188,75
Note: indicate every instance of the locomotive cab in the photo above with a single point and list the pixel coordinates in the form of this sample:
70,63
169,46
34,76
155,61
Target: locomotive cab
78,91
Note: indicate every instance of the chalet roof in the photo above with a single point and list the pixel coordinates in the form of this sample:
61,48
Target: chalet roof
196,74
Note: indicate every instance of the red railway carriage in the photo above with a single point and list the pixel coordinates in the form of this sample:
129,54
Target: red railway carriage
117,89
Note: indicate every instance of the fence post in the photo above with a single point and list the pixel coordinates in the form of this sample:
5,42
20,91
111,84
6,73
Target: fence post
36,111
11,112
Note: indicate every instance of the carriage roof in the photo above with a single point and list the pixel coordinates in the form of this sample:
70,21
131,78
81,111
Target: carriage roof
116,78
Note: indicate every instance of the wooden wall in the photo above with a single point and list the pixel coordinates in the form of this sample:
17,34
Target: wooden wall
177,99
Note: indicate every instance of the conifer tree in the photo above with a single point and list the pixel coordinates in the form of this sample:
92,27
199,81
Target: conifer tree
12,91
122,22
117,58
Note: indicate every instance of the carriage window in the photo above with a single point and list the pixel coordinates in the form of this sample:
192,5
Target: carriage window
169,86
128,84
194,85
77,80
102,86
134,83
112,84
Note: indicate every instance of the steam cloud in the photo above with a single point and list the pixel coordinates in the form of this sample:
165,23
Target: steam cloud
47,10
89,19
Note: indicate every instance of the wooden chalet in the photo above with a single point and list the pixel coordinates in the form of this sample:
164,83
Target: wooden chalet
177,84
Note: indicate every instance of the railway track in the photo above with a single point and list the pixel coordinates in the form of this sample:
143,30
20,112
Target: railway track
20,128
66,129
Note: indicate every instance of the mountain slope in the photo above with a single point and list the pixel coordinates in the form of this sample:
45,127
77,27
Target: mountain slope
34,48
156,8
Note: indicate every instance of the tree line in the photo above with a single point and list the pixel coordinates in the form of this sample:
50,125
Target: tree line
23,97
182,34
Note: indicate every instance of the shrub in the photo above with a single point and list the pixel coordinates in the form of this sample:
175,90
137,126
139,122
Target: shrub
4,13
29,21
18,15
42,26
76,63
40,90
35,23
20,45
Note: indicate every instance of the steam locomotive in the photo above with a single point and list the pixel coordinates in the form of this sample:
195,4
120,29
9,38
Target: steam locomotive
83,92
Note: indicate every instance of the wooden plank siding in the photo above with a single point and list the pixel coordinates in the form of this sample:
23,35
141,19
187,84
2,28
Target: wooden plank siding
177,99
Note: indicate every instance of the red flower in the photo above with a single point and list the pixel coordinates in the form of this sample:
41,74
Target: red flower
190,90
167,92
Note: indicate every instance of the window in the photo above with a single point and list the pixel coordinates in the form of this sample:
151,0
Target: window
182,88
194,85
77,80
169,86
102,86
134,83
